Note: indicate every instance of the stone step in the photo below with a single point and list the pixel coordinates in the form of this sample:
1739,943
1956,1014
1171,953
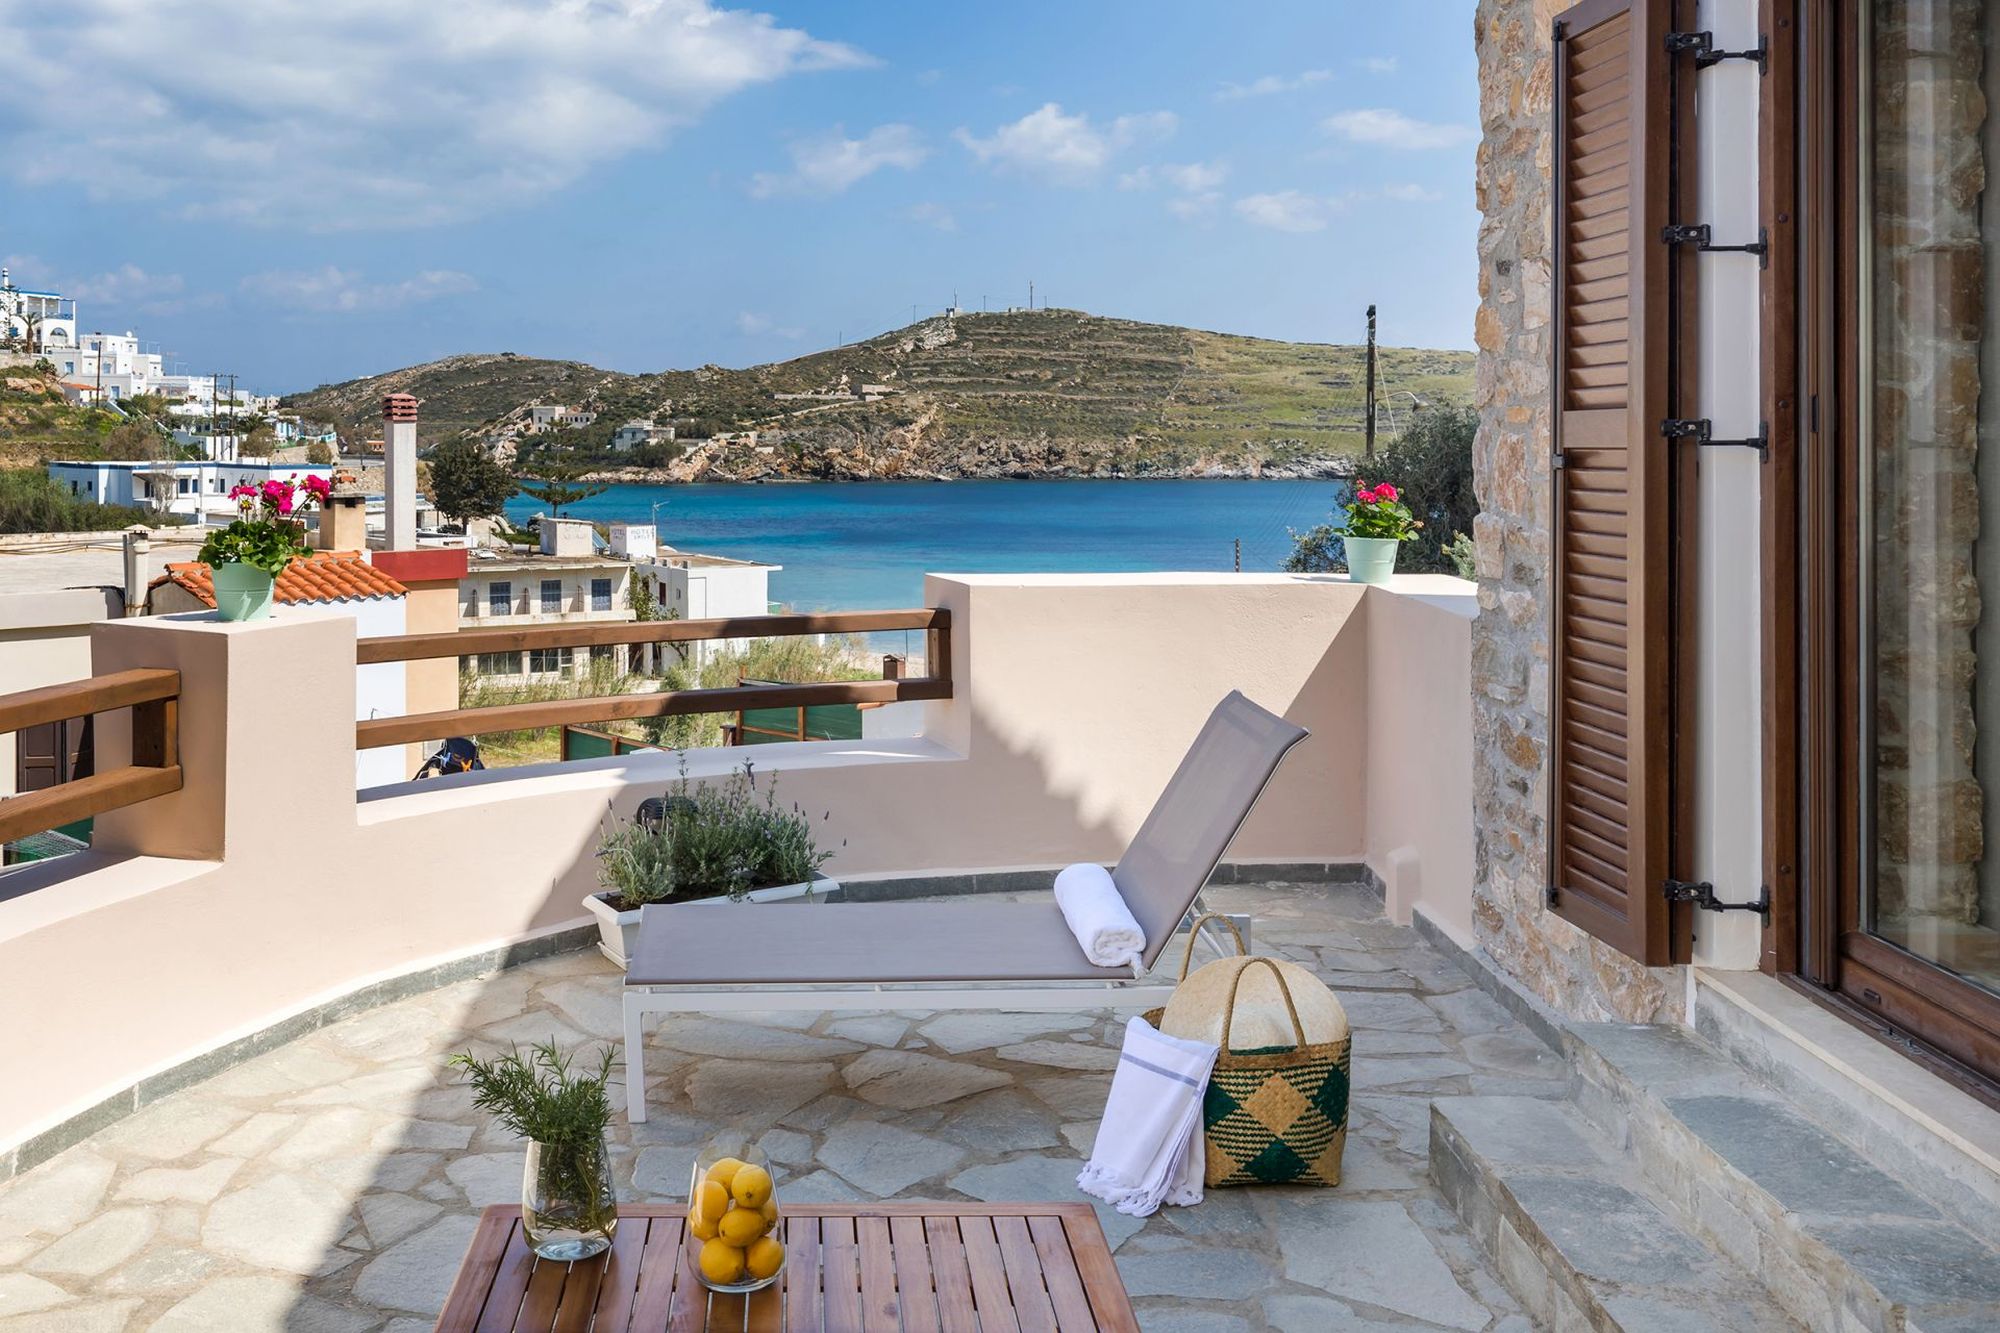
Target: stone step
1838,1241
1932,1135
1574,1230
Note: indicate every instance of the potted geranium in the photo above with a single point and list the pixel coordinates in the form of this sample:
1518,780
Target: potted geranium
730,842
246,557
1377,523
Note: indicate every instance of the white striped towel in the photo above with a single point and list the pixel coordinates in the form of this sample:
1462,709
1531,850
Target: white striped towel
1149,1147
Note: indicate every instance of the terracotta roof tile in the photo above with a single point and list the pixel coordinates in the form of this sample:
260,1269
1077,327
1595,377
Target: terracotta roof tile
324,576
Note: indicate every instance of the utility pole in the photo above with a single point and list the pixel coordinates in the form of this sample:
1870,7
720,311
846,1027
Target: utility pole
1371,383
1031,293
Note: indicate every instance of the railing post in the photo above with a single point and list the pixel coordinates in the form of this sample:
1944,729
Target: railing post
263,732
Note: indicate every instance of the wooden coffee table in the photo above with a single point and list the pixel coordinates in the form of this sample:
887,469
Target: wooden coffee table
849,1268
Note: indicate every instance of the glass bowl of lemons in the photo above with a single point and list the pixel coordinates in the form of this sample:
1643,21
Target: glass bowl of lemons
735,1233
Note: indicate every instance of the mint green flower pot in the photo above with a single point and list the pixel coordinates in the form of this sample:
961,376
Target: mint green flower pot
1371,559
242,592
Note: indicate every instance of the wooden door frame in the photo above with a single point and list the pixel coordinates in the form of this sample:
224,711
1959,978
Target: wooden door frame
1814,633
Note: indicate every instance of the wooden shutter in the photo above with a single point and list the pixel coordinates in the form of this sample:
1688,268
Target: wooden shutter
1612,652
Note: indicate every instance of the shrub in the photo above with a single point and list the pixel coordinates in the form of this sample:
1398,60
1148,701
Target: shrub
31,501
1431,462
713,840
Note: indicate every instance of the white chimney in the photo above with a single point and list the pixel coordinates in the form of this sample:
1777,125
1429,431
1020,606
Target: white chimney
635,541
399,465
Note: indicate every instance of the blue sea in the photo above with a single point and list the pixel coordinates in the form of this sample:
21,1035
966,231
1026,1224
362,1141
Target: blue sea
867,545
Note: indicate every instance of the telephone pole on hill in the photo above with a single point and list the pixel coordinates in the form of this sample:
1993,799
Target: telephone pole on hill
1370,428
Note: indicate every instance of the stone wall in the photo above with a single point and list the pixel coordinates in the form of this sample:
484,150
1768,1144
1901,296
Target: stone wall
1929,276
1510,640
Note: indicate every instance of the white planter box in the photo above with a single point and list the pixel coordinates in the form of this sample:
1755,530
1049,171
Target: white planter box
618,932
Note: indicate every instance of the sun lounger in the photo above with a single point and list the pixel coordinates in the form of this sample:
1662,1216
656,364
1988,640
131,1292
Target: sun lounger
962,955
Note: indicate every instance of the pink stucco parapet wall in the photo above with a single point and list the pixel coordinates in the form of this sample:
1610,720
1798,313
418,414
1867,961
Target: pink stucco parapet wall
267,887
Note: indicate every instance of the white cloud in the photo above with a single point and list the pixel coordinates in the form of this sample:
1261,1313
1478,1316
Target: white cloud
1186,177
829,163
1379,64
754,325
1287,210
1272,84
1393,129
932,214
368,113
1194,186
1054,145
128,284
1297,211
338,291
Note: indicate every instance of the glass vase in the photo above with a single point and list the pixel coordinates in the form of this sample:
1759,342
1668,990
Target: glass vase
568,1207
735,1231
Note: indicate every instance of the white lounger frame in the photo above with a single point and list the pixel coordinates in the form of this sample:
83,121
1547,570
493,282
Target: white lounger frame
998,995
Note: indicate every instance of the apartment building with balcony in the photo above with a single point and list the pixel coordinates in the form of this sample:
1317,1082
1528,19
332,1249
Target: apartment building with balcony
564,582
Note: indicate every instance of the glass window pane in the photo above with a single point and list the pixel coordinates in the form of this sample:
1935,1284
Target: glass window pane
1930,483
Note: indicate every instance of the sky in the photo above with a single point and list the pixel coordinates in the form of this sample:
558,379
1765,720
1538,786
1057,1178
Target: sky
304,191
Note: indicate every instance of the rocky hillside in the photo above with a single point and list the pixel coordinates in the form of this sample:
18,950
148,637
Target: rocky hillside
1022,394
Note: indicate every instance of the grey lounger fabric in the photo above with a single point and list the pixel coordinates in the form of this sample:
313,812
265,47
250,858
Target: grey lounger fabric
836,942
1196,817
1176,850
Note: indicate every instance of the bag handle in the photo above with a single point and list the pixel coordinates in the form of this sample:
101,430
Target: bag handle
1284,989
1194,933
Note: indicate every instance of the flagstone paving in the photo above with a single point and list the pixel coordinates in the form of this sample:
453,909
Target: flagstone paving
331,1186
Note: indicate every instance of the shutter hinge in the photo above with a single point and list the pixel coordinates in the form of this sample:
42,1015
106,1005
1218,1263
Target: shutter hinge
1700,430
1557,462
1702,45
1702,894
1701,237
1551,895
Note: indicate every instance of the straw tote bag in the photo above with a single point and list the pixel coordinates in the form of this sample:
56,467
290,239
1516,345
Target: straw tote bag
1276,1108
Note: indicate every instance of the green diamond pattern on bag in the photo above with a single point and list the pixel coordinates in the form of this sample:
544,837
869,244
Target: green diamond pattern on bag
1272,1117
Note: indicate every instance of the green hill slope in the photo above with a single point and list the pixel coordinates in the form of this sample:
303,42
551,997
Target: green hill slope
1025,393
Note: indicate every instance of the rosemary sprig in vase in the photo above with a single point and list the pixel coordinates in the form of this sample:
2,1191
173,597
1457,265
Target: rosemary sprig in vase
569,1209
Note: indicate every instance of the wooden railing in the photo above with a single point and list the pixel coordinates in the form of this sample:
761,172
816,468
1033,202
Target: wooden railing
935,622
153,695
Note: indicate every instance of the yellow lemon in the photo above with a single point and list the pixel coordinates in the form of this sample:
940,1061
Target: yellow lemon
711,1201
724,1171
751,1187
701,1228
740,1226
770,1211
721,1263
765,1258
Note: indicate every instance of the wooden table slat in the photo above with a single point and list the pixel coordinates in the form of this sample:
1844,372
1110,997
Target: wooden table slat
840,1276
989,1276
517,1266
1032,1308
850,1268
579,1298
802,1306
690,1309
474,1283
881,1312
953,1280
1059,1274
1101,1282
622,1270
656,1275
538,1307
911,1255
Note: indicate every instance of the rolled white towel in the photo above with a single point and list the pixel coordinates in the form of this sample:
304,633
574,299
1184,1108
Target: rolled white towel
1098,916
